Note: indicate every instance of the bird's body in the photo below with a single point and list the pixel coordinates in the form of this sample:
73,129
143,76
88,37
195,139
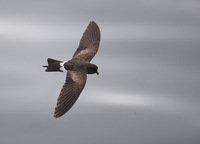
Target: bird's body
77,69
76,65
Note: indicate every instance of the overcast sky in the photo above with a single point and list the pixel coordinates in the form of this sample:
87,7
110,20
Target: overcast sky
149,64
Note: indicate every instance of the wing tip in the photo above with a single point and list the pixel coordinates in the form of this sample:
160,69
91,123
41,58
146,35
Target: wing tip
95,30
56,116
93,23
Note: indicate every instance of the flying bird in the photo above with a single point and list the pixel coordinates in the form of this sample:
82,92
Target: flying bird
77,69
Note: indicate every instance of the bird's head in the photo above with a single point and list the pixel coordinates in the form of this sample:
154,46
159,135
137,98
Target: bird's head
91,69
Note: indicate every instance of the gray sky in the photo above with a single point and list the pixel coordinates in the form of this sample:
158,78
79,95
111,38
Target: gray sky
148,88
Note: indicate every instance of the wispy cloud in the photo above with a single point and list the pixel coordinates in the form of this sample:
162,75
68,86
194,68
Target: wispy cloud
36,31
119,99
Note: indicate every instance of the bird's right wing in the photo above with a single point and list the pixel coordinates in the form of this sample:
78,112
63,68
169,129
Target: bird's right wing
74,84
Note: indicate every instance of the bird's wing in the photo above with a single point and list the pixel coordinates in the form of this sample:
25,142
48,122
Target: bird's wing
89,43
70,92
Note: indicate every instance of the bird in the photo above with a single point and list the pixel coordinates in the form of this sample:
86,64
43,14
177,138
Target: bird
77,69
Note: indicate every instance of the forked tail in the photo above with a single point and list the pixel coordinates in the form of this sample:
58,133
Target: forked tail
53,65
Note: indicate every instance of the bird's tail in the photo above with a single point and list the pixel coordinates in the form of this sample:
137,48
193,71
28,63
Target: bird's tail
53,65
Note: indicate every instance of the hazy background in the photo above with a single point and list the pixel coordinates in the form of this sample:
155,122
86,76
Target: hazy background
149,63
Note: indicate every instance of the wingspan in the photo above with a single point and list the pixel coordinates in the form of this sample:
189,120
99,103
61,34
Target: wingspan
74,84
89,43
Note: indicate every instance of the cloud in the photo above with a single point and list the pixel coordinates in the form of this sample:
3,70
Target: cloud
119,99
36,31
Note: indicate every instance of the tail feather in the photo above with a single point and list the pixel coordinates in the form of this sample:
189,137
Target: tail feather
53,65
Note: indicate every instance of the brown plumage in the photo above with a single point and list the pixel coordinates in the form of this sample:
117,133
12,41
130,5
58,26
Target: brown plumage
77,69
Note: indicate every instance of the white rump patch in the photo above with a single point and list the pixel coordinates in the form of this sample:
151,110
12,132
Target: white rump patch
62,68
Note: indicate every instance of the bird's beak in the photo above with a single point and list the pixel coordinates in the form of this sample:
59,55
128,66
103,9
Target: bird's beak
97,73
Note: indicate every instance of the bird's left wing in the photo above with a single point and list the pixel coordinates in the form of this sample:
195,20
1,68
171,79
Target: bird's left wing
89,43
73,86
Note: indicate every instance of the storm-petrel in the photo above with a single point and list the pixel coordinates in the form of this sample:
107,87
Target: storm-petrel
77,69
